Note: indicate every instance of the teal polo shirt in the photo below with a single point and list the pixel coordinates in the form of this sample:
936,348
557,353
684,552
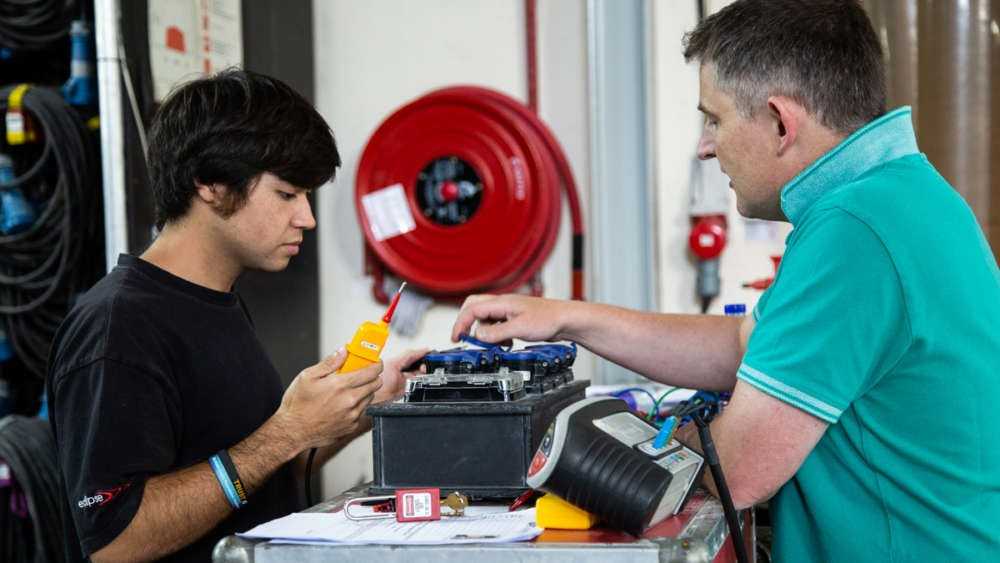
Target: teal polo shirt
884,321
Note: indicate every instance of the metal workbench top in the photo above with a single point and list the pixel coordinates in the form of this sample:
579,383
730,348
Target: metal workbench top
698,533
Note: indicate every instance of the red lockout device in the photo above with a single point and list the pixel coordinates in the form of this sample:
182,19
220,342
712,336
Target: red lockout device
418,505
406,505
707,239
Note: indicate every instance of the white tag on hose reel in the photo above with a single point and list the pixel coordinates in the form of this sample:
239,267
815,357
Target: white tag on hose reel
388,212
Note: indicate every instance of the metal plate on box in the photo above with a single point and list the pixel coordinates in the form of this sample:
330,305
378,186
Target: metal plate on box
463,388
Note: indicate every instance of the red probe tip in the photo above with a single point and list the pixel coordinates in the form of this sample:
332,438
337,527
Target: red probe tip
387,318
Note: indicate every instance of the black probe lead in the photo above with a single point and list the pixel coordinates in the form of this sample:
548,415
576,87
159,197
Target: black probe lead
712,457
309,466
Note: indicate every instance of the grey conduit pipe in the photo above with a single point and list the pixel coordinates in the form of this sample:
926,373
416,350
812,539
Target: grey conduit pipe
106,28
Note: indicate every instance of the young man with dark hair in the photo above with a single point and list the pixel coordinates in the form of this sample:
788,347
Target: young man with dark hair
170,420
863,384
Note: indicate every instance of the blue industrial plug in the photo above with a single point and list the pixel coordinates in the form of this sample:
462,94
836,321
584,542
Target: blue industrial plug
80,89
16,212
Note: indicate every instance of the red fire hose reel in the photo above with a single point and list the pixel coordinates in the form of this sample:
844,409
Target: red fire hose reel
458,192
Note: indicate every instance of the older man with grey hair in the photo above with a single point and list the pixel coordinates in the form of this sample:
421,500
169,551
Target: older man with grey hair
863,383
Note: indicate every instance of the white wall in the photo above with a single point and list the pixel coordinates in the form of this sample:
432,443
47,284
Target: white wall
372,56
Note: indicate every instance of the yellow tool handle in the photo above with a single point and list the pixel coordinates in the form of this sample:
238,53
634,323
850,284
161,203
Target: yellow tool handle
553,512
354,363
366,346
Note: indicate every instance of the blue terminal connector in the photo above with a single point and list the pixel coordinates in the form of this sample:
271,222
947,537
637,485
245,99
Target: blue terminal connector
540,360
565,354
524,355
537,363
80,89
460,360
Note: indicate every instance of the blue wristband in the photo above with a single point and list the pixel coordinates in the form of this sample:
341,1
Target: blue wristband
228,479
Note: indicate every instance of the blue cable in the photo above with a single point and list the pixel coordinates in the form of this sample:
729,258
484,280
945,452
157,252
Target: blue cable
618,394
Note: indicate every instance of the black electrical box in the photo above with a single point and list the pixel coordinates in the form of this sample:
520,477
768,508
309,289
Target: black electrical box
481,449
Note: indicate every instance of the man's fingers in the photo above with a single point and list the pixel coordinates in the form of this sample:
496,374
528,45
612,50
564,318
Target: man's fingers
361,377
479,307
477,298
467,315
408,361
365,392
497,332
463,323
327,365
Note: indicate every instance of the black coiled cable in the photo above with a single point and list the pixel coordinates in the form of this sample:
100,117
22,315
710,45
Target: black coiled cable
43,268
32,25
28,448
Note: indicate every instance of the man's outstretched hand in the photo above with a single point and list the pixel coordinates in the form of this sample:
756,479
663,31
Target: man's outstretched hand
393,376
503,317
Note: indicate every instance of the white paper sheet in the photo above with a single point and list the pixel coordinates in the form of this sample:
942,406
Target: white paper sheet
477,526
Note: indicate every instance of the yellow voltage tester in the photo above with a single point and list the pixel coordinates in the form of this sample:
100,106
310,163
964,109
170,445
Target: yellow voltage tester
363,350
366,346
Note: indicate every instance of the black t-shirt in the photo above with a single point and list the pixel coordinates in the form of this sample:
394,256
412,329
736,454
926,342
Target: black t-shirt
149,374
